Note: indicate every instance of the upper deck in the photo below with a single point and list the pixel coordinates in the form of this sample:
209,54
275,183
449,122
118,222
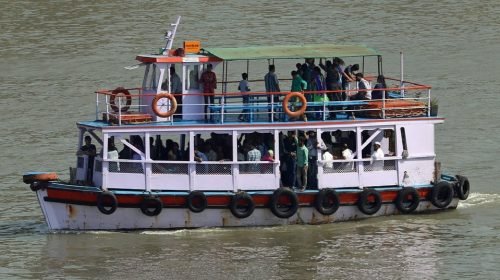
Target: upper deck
172,91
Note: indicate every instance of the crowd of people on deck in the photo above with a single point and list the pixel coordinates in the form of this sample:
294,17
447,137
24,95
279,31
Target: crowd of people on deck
299,154
323,82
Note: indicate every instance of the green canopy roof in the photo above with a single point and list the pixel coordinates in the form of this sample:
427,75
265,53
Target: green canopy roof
290,52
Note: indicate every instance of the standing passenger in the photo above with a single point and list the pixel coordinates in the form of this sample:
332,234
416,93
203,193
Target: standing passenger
176,91
272,88
209,81
302,164
243,88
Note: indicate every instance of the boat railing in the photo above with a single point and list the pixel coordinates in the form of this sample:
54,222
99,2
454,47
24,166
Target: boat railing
403,101
121,173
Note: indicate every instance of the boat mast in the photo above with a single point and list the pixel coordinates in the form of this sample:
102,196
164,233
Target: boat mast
170,35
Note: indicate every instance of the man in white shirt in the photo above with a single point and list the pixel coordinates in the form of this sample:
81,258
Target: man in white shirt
347,155
328,158
377,159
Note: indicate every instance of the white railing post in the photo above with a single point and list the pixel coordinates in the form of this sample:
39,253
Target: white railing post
119,110
428,102
401,83
97,106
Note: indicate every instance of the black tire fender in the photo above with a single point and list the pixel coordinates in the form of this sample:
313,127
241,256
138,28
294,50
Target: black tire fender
441,194
369,201
407,200
462,188
242,205
197,201
151,206
107,202
284,209
327,201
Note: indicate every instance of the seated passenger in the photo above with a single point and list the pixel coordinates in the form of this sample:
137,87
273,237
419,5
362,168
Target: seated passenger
364,90
328,158
347,155
113,155
377,158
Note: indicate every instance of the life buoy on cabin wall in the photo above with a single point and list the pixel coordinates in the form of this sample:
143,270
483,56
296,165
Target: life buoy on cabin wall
242,205
369,201
284,203
120,92
107,202
161,101
151,206
301,110
327,201
40,177
407,200
462,188
441,194
196,201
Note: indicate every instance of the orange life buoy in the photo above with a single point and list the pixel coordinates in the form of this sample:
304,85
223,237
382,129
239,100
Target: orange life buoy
39,176
301,110
124,94
158,103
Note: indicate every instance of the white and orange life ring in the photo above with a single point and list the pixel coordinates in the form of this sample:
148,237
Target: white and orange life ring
302,100
161,101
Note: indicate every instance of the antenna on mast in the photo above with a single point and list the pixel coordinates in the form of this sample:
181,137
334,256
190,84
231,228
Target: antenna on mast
169,36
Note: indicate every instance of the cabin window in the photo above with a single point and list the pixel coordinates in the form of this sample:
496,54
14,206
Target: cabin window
217,150
385,137
167,148
150,77
123,144
256,146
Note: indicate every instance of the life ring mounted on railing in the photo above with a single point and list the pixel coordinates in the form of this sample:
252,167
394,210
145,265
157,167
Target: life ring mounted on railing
115,95
302,108
164,100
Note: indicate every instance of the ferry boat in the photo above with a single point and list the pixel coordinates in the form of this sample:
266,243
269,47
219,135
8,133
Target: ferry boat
169,155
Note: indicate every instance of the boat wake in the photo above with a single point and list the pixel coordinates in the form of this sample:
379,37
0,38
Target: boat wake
476,199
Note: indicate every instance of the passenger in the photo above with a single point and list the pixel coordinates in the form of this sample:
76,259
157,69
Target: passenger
319,86
364,91
174,154
298,85
313,144
209,151
88,148
302,164
379,89
377,158
272,88
177,91
125,153
307,72
347,155
269,156
299,69
243,88
327,158
209,81
113,156
253,155
289,158
90,151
